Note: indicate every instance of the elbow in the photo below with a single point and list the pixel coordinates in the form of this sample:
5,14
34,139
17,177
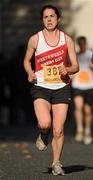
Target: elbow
76,68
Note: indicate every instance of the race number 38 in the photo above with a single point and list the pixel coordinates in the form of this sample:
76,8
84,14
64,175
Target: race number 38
52,74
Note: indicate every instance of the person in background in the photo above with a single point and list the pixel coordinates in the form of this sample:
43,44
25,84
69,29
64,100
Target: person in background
92,57
82,85
51,89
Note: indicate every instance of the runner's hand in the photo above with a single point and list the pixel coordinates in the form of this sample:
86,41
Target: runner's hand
31,76
63,70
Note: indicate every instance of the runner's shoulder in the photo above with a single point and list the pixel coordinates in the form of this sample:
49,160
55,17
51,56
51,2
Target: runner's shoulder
33,40
68,38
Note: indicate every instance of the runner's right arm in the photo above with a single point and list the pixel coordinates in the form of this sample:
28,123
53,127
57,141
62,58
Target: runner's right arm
32,43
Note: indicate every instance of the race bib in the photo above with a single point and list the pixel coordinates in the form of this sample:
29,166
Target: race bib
52,74
84,77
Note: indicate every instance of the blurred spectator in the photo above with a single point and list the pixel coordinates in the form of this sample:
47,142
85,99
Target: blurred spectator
82,86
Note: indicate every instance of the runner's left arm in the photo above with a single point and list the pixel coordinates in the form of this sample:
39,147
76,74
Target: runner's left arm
74,67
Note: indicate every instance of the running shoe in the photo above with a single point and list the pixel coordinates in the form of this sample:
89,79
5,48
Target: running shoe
40,144
79,136
57,169
87,138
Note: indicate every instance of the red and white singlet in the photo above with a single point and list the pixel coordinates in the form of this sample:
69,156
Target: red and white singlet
48,60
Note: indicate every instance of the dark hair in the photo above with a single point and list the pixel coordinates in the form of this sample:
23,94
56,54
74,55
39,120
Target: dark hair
83,38
50,7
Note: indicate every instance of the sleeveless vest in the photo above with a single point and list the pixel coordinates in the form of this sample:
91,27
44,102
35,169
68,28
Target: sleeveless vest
48,60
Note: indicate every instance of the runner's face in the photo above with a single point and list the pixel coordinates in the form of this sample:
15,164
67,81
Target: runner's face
50,19
82,45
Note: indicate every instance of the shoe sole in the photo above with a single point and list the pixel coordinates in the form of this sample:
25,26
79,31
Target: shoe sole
41,149
55,174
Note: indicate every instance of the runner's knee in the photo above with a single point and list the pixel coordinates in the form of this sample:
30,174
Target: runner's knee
58,133
44,126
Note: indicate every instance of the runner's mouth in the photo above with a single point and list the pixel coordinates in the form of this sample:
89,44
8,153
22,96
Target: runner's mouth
49,24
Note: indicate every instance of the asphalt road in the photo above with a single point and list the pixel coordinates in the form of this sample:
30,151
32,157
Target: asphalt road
20,160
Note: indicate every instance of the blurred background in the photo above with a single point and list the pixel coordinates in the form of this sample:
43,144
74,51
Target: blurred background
18,21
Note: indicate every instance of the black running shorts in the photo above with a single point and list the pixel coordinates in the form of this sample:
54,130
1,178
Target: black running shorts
87,95
62,95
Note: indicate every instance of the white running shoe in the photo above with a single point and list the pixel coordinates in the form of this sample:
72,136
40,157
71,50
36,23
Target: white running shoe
79,136
87,138
57,169
40,144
